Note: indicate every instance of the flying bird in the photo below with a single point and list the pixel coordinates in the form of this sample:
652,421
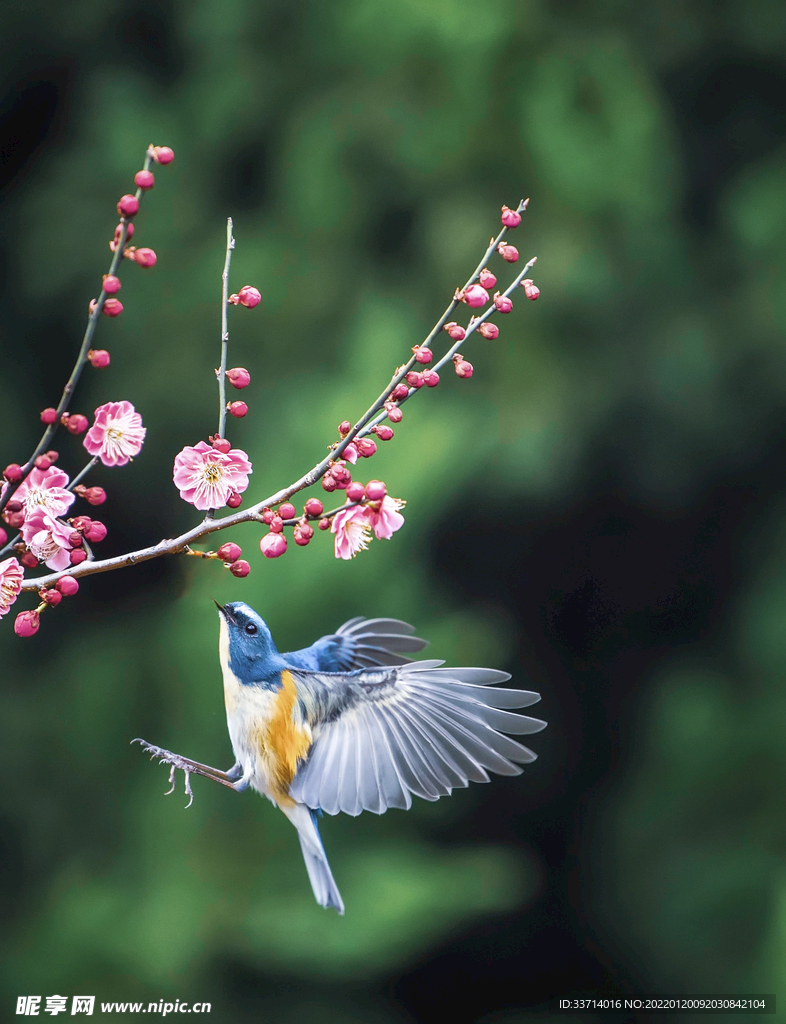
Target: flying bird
351,724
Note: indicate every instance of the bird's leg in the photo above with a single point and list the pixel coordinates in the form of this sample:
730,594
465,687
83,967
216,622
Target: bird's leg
232,779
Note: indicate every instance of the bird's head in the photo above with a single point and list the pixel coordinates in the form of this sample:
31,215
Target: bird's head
246,643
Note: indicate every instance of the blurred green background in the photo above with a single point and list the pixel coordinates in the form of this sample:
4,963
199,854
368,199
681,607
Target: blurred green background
598,510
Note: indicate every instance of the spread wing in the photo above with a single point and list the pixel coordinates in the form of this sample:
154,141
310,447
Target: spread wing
381,736
359,643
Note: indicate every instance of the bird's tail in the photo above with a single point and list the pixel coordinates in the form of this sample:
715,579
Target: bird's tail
322,882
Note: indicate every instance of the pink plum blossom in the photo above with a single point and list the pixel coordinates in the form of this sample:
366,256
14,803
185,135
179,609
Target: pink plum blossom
116,435
350,453
11,575
387,519
206,477
45,489
353,526
48,539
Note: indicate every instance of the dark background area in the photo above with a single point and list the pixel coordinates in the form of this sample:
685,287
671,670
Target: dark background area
598,510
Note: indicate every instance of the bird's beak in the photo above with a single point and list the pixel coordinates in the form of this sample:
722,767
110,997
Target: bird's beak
224,611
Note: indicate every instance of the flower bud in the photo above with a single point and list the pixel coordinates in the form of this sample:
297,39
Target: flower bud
95,532
268,515
240,568
52,597
13,473
350,453
384,433
487,279
27,624
303,533
328,483
80,522
249,296
144,180
375,490
456,332
237,409
415,379
99,357
395,415
113,245
67,586
287,510
341,474
276,524
234,500
431,377
3,537
112,307
324,524
163,154
49,415
399,391
128,206
229,552
29,560
95,495
273,545
143,257
510,218
75,539
238,377
222,445
313,507
422,354
14,519
489,330
463,368
53,456
356,491
366,447
43,462
14,506
531,290
77,424
78,555
509,253
344,428
503,303
475,296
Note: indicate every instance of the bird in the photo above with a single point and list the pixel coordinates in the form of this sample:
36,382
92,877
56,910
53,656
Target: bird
351,724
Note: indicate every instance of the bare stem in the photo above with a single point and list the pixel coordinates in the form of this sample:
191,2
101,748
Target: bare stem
222,373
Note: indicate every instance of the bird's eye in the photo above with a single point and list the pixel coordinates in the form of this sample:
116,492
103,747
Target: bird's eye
251,628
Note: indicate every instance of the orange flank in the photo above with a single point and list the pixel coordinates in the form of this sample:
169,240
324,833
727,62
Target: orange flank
285,742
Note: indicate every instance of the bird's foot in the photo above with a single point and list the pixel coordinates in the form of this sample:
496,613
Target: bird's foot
188,767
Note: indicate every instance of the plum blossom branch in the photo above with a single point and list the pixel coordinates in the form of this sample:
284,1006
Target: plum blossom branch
222,373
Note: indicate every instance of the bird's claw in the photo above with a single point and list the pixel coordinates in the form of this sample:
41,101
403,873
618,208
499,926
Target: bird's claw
175,761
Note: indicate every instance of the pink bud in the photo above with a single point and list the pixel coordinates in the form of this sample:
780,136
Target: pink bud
423,355
237,409
13,473
53,456
112,307
163,155
95,495
95,532
395,415
476,296
234,500
27,624
366,446
456,332
229,552
119,234
49,415
313,507
80,522
52,597
510,218
143,257
328,483
276,524
489,330
67,586
487,279
268,515
240,568
43,462
287,510
128,206
248,296
238,377
509,253
303,533
350,453
431,377
356,491
99,357
384,433
14,506
273,545
222,445
415,379
341,474
78,555
29,560
463,368
375,490
77,424
531,290
399,391
3,537
144,180
324,524
15,519
503,303
344,428
75,539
